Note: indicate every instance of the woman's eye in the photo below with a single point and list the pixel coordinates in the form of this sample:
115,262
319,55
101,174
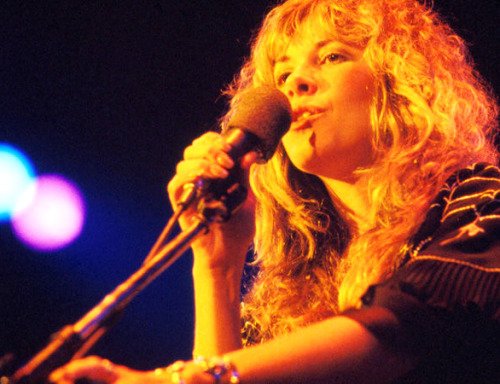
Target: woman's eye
332,58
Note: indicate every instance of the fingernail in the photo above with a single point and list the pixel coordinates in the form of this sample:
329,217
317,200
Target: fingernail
219,171
225,146
224,160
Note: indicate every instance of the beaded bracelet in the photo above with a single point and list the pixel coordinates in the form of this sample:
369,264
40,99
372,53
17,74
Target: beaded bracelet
220,368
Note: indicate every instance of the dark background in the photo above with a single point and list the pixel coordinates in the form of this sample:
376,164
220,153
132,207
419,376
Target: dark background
108,94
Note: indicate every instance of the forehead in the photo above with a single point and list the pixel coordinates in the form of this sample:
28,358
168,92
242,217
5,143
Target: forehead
310,40
324,20
313,31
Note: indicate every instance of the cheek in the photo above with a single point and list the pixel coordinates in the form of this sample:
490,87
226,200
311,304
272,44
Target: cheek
359,88
352,110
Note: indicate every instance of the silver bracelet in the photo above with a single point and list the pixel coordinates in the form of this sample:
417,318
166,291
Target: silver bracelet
220,368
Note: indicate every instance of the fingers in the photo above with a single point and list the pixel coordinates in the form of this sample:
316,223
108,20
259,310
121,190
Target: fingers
188,171
248,159
200,167
92,367
210,146
206,157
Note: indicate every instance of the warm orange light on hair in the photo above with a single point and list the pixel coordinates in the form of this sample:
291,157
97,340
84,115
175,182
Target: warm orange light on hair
433,115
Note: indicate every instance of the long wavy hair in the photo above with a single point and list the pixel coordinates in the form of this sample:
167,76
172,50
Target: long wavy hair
432,115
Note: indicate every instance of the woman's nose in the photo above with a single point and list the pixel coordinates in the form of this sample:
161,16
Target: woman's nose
300,84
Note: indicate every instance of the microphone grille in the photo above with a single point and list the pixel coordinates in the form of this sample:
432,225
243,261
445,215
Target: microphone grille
264,112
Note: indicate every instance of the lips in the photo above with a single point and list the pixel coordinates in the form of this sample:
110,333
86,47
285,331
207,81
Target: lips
304,116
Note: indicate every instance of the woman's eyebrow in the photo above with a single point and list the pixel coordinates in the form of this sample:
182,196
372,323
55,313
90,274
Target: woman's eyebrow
320,44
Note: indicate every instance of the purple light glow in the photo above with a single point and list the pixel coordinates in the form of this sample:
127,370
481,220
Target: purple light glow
55,216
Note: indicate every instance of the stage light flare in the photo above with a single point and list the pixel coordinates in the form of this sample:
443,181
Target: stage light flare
16,175
54,217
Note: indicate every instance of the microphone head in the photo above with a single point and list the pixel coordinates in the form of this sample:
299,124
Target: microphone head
266,113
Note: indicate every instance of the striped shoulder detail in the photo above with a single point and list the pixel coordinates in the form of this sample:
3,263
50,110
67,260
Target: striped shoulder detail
465,216
455,260
441,282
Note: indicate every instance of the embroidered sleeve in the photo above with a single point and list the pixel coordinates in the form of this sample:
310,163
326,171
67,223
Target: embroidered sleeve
441,307
449,287
456,261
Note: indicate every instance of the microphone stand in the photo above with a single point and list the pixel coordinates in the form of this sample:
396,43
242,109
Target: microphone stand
75,340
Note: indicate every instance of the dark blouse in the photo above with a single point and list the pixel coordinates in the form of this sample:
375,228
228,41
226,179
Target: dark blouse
442,305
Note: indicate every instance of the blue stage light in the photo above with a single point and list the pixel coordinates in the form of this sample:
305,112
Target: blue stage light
16,175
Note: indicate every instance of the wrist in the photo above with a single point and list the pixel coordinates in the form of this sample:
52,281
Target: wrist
227,273
219,258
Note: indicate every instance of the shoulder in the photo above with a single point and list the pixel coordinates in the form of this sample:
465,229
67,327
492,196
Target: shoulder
454,261
455,258
443,303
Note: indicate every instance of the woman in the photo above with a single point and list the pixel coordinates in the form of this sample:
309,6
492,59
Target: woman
374,229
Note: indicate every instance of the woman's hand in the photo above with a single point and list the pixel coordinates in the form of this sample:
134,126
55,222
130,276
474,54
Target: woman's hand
100,370
226,243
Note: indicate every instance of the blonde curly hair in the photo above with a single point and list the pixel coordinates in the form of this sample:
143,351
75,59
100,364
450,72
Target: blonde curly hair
433,114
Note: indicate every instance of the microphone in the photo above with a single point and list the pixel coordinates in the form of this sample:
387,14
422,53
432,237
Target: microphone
259,120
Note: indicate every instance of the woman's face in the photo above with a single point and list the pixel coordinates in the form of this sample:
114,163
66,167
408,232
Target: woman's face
330,88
